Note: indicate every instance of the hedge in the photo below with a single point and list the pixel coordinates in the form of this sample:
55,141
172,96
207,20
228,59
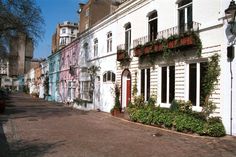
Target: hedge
179,121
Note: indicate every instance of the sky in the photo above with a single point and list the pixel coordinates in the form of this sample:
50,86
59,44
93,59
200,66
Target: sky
54,12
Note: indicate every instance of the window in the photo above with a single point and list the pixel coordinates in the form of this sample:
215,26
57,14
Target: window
86,26
152,23
84,90
63,30
185,15
109,42
109,77
167,84
71,90
128,37
145,83
196,74
86,51
95,47
87,12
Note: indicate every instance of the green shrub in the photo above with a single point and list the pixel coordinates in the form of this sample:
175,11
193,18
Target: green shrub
215,129
182,121
188,123
163,117
185,106
174,106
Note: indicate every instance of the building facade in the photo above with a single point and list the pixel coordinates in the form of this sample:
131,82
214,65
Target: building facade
54,76
66,32
69,72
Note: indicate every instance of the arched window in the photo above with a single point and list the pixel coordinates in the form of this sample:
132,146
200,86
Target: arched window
109,76
152,24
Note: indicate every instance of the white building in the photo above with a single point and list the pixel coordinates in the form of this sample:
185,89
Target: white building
175,76
44,74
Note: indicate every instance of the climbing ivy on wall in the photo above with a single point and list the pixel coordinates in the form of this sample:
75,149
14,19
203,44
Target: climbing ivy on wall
210,79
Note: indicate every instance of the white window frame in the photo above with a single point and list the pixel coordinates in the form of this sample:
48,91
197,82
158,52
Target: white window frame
145,82
63,30
167,104
95,47
87,12
109,42
197,108
128,32
84,91
150,20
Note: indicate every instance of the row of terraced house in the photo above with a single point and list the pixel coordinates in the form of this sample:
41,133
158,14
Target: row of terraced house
122,44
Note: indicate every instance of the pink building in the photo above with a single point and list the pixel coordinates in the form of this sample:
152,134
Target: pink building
69,72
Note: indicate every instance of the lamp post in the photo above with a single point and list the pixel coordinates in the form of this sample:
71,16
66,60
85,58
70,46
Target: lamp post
230,14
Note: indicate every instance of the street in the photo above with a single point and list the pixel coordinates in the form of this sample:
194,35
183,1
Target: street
37,128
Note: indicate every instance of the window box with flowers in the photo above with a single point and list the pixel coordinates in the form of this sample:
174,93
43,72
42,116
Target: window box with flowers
138,50
121,55
172,41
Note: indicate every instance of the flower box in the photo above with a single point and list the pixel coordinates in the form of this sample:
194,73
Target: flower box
138,51
148,49
158,47
186,41
172,44
120,55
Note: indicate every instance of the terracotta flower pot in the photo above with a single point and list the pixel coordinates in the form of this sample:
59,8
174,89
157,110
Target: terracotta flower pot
138,52
172,44
186,41
158,47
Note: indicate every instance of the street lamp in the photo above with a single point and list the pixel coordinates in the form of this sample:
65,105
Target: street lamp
230,14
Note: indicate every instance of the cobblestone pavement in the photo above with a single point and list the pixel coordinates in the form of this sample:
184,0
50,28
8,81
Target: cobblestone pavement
36,128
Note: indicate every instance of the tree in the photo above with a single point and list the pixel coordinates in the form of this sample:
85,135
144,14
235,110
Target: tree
20,17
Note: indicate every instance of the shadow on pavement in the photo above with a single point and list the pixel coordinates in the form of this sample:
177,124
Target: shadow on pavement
33,148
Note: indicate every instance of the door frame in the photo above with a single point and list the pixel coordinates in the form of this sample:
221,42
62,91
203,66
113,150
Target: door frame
124,89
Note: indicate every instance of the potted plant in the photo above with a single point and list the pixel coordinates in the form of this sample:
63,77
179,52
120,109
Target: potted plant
172,41
115,111
120,55
148,47
138,50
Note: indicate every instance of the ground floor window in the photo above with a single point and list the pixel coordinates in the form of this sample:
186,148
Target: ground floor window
84,90
196,73
167,84
71,90
145,83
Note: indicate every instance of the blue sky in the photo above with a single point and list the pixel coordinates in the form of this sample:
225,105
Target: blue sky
54,12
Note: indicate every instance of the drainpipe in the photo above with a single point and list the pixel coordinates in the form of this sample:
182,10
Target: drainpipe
231,99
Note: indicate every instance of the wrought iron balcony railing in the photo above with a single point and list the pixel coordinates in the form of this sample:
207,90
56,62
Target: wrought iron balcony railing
177,30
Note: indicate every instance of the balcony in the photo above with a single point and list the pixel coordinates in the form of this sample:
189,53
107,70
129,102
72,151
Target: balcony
122,54
172,38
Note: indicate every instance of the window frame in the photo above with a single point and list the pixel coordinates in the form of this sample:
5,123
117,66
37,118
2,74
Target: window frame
152,20
128,37
184,7
167,85
198,106
109,77
145,82
95,47
109,42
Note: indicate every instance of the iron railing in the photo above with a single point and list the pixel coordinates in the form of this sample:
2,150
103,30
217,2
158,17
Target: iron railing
177,30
